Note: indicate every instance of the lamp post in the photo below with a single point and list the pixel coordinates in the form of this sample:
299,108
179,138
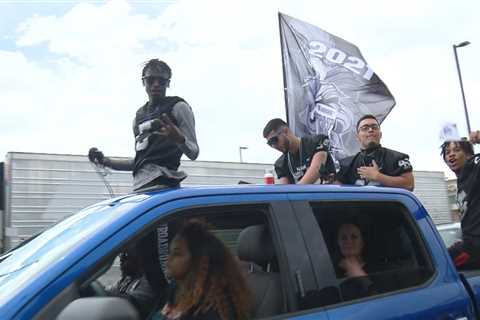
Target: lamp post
455,46
240,152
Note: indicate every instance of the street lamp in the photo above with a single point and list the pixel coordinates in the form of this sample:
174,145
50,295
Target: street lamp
455,46
240,152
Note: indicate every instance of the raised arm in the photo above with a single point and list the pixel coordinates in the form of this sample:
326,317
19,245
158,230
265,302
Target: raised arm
186,124
475,136
97,157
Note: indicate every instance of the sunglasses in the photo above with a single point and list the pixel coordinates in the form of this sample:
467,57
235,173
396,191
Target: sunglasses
273,140
150,80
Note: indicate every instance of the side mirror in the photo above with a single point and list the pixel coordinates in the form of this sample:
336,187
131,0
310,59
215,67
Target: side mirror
99,308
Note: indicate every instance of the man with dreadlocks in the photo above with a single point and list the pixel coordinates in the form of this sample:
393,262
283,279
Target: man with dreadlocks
164,130
460,158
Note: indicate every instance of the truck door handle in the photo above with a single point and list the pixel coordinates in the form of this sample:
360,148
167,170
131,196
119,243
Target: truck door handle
301,288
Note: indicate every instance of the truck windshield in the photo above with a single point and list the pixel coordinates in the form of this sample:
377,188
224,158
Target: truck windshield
22,264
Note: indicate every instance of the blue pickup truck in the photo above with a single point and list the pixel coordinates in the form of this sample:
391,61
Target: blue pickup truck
291,235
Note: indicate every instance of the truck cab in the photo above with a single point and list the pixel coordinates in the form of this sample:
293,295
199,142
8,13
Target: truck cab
285,238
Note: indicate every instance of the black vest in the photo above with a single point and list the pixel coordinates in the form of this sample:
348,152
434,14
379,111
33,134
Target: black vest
157,149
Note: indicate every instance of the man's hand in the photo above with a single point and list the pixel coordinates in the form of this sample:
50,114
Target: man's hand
169,129
313,172
352,266
370,173
475,136
96,156
325,176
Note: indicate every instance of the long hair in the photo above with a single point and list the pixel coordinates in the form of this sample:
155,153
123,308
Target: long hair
337,254
215,280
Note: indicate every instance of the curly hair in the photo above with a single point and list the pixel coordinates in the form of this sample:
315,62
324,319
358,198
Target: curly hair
215,279
465,145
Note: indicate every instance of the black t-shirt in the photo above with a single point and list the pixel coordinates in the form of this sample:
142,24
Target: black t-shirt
294,166
390,162
468,199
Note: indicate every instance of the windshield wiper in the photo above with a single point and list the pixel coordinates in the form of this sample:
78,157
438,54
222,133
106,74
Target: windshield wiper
22,267
24,242
5,256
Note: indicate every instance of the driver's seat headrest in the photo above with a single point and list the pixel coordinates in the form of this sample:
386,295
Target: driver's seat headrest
255,245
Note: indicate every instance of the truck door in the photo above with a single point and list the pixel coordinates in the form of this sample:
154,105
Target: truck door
396,269
260,229
472,280
299,272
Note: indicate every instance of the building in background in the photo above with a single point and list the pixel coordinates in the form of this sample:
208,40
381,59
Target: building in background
452,199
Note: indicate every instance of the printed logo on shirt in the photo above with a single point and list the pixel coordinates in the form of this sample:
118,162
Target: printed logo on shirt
404,164
299,172
359,182
323,146
476,160
462,203
145,131
362,182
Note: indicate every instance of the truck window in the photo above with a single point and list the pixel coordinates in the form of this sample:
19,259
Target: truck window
245,231
374,248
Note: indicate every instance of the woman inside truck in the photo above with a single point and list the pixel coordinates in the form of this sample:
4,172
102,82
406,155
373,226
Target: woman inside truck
352,264
208,283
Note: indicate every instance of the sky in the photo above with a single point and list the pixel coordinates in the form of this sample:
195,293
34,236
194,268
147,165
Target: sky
70,70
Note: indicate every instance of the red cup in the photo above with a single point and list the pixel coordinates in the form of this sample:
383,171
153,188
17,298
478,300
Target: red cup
268,178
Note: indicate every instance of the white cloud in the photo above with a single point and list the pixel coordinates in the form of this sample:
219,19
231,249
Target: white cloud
225,57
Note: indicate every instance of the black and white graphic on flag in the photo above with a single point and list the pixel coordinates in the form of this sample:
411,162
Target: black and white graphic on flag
329,85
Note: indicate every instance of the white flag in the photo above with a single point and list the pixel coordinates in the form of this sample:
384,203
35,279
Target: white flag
449,132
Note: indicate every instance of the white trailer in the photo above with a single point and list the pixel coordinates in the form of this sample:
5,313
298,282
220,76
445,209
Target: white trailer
40,189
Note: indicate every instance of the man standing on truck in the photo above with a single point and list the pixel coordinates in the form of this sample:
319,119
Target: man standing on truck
374,164
460,158
164,130
304,160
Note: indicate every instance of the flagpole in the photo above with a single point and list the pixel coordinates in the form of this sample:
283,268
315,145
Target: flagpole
455,46
283,67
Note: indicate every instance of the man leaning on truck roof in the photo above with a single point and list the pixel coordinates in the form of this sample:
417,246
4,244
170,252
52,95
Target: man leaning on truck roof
304,160
375,164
